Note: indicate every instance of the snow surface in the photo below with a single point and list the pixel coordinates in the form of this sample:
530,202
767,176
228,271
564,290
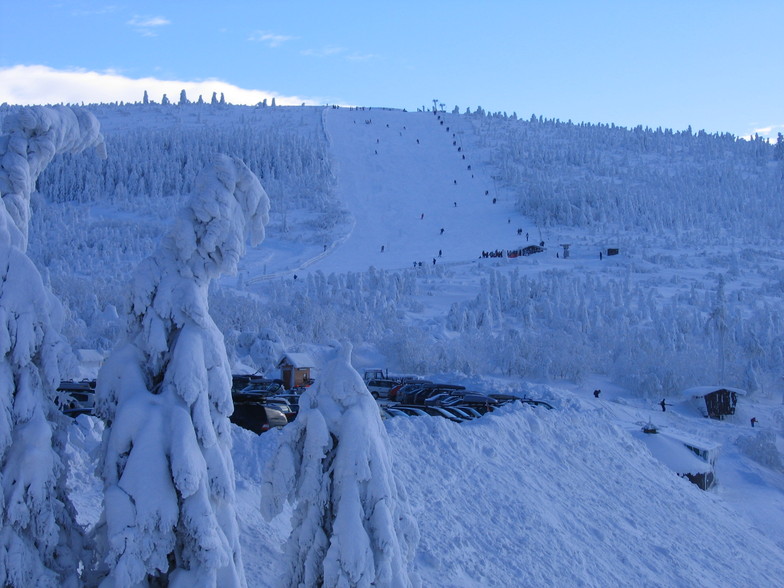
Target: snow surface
525,496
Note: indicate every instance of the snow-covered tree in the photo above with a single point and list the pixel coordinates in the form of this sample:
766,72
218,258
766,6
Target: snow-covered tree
38,534
352,525
31,138
165,394
718,318
778,150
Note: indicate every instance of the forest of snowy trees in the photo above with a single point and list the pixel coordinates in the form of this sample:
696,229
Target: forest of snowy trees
682,187
663,187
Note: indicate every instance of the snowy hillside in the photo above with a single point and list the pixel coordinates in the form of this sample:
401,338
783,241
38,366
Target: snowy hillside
378,223
345,183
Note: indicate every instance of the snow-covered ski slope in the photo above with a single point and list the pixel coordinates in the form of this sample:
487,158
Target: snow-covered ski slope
413,184
404,177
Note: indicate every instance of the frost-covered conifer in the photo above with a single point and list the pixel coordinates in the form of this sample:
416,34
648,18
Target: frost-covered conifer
718,318
31,138
778,150
165,393
351,525
38,534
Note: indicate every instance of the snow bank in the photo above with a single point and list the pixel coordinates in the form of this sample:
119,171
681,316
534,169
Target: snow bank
530,497
549,498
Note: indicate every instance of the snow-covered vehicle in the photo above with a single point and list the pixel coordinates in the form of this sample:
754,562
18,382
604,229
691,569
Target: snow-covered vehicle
417,392
507,398
405,386
257,417
284,406
261,385
373,374
410,410
380,388
478,402
76,398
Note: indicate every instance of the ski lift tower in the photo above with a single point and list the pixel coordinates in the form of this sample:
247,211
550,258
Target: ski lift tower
566,249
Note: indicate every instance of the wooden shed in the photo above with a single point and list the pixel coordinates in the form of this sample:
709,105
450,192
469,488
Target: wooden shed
714,401
295,370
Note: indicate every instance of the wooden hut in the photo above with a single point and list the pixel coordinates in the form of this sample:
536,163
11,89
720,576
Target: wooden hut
714,401
295,370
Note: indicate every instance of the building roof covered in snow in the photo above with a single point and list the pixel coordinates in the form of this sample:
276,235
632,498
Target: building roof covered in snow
297,360
673,453
701,391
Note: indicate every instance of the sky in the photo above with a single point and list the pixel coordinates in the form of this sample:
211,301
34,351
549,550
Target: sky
708,64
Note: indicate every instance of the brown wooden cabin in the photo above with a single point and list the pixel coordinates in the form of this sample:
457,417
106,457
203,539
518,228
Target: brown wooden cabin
295,370
716,402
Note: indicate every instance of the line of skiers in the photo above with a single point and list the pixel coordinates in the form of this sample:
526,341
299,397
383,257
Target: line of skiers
496,253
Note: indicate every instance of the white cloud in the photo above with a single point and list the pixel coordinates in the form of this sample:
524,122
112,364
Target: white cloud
38,84
332,51
153,21
361,56
770,132
145,25
96,11
324,52
270,39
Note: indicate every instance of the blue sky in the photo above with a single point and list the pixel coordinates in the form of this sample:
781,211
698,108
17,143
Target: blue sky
714,65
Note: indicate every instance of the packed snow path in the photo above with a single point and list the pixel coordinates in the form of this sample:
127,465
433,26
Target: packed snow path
415,189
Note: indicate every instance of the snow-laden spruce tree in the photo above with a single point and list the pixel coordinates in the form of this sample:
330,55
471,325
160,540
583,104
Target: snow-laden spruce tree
351,524
165,393
39,539
31,138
